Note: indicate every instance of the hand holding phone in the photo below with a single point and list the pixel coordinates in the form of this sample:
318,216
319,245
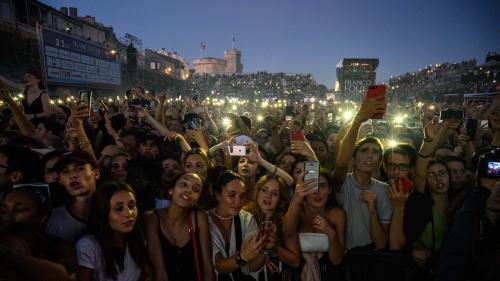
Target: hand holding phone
407,185
312,171
377,91
297,135
86,100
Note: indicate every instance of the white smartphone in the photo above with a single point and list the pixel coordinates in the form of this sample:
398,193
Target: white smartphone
312,169
238,150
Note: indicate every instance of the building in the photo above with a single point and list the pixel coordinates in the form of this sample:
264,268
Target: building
160,63
354,76
184,71
18,21
230,64
233,61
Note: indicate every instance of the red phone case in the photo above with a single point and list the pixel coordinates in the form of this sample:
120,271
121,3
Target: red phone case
407,185
375,91
297,135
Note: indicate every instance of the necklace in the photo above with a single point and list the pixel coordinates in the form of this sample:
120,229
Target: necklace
222,218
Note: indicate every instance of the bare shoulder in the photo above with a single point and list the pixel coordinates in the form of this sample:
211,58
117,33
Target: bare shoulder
335,215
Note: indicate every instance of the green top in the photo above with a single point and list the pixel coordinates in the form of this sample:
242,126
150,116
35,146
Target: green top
441,229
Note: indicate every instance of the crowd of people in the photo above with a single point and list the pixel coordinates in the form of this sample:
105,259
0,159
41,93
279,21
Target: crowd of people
436,80
156,187
260,84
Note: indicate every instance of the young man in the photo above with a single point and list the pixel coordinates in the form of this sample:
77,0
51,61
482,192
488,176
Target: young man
17,165
78,173
399,162
364,199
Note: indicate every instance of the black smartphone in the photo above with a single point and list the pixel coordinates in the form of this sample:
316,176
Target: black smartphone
471,127
451,113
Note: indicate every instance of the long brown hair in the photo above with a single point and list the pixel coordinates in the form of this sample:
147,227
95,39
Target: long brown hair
279,212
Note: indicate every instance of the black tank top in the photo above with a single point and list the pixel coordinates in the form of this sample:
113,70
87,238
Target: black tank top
179,262
36,106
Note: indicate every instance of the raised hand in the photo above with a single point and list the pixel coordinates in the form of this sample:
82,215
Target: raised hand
303,148
370,107
304,188
254,152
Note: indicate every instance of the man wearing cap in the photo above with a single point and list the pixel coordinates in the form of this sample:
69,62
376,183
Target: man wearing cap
78,172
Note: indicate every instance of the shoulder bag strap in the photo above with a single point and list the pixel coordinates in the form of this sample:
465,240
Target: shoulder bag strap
195,246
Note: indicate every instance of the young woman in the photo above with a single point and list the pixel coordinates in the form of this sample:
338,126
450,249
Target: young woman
269,204
36,100
118,167
236,242
113,248
178,236
313,210
197,161
426,248
249,168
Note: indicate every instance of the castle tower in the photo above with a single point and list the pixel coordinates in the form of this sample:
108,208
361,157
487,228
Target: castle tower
233,61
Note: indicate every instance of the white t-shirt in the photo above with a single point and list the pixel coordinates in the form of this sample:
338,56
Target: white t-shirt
63,224
89,255
248,227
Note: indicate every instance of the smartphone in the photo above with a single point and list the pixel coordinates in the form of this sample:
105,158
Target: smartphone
239,150
471,127
493,170
289,110
86,99
451,113
266,226
312,171
407,185
288,118
375,91
297,135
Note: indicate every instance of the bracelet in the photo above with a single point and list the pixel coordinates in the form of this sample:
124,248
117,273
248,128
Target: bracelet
275,170
423,156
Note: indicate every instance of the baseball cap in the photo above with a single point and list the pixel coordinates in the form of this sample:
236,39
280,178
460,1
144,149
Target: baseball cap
76,156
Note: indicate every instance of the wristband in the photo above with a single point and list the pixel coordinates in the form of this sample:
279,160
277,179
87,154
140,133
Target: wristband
274,172
239,260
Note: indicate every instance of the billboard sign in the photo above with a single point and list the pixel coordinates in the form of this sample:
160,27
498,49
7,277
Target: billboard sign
72,61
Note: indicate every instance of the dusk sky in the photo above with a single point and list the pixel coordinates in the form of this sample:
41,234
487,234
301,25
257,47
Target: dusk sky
309,36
